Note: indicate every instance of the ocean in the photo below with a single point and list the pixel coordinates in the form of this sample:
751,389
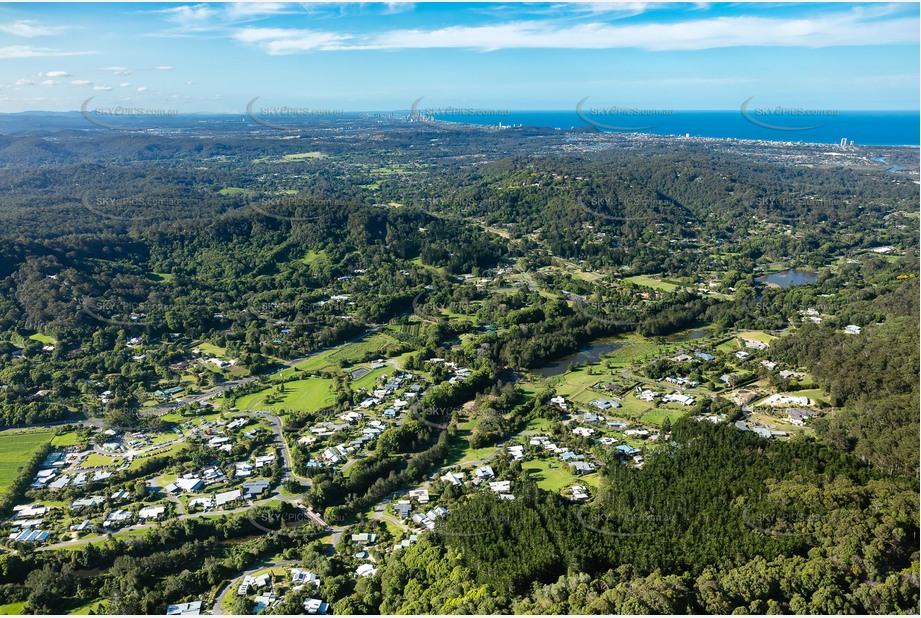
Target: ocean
886,128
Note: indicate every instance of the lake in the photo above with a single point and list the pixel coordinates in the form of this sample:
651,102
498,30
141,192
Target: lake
687,335
590,354
786,278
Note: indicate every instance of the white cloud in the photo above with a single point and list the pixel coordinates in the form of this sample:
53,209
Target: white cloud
142,89
104,88
850,28
23,82
26,51
80,82
29,28
279,41
163,68
124,85
55,74
47,82
117,71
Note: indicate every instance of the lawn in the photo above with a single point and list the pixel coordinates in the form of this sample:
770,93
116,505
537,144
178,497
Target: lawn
235,191
95,459
71,438
318,258
353,352
815,394
757,335
370,379
555,475
15,450
97,607
657,416
210,348
650,282
46,339
12,609
162,277
462,453
304,155
307,395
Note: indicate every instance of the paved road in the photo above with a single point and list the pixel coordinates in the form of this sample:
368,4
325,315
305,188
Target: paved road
234,583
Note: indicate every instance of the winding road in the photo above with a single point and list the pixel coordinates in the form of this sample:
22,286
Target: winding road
233,583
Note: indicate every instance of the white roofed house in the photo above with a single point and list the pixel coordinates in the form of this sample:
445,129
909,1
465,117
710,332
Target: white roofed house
421,494
299,577
454,478
500,486
315,607
484,472
184,609
263,460
150,513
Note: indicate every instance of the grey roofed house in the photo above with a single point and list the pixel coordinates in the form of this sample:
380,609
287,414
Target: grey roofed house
254,488
184,609
403,508
582,467
79,503
798,416
226,497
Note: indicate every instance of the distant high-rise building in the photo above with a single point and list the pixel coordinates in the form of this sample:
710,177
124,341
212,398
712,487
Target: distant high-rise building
844,141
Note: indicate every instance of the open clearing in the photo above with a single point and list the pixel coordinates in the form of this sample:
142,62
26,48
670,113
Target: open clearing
651,282
554,475
307,395
15,450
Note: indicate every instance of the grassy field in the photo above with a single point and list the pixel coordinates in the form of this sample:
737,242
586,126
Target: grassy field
368,380
12,609
318,258
651,282
162,277
95,459
71,438
300,156
307,395
815,394
15,450
352,352
235,191
209,348
462,453
757,335
95,606
555,475
46,339
657,416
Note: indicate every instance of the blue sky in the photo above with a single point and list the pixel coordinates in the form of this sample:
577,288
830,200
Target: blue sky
217,57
